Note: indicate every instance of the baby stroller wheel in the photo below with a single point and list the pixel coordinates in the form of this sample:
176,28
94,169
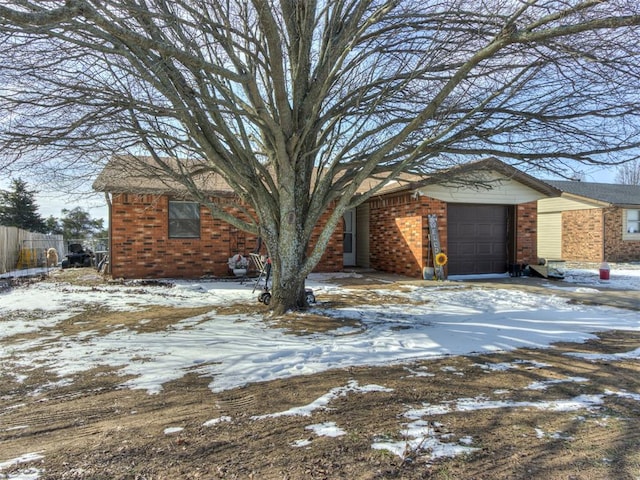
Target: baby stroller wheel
311,298
266,298
261,297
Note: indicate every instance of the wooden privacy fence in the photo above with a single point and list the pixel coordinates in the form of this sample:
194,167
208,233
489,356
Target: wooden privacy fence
21,249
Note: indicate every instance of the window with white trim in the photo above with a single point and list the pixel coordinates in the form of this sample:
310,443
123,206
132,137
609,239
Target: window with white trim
184,219
632,222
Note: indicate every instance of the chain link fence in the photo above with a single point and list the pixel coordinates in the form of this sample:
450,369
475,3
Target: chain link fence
21,249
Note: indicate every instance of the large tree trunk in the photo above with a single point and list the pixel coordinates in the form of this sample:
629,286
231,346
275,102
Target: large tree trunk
288,292
288,280
287,242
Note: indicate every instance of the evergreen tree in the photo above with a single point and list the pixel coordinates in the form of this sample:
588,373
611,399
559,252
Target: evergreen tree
78,224
18,208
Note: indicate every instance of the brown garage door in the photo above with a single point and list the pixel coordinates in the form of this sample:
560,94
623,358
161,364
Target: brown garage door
477,238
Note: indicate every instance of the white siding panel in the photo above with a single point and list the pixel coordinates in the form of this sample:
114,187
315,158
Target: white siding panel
561,204
550,235
496,190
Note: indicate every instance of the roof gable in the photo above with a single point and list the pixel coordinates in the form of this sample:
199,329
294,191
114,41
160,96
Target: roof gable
485,174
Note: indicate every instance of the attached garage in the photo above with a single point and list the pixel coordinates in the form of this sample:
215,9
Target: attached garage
478,238
489,222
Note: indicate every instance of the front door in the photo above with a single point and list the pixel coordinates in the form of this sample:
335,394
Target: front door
349,238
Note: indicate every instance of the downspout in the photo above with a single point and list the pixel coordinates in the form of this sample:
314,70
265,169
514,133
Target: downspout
109,236
513,237
604,234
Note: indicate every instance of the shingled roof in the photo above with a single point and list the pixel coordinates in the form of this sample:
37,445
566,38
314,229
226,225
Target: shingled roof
125,174
609,193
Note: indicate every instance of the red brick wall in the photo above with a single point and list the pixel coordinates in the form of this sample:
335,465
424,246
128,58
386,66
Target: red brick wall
141,247
584,238
582,235
399,232
527,233
331,260
616,249
400,228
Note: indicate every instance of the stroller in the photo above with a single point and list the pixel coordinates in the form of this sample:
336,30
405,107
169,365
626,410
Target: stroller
263,265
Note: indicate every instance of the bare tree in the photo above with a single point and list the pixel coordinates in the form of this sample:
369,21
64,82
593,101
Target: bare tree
296,103
629,173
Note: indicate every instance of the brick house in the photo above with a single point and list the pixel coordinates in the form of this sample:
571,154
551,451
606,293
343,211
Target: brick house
486,210
590,222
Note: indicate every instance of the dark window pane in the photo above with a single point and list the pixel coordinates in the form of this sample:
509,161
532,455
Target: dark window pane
184,219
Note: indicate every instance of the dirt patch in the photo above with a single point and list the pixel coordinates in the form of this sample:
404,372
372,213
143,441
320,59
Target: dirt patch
526,414
93,429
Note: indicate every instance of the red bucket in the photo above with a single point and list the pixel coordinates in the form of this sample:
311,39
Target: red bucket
604,271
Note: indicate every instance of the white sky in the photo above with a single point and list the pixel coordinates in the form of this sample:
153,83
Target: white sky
51,202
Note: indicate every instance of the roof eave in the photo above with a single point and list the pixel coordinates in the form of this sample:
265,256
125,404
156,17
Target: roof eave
582,198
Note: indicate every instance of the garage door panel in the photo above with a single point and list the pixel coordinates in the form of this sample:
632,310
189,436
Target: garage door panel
483,249
465,230
481,265
466,249
477,238
484,230
499,231
467,265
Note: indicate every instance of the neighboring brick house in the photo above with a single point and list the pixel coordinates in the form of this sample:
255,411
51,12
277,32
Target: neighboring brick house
484,228
590,222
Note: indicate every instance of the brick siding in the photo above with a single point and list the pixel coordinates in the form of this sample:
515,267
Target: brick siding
141,247
585,240
582,235
331,260
527,233
399,233
616,249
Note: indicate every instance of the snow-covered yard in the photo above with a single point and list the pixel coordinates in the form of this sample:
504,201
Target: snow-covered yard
235,349
420,321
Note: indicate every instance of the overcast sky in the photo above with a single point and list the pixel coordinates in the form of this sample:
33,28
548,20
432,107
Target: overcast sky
52,202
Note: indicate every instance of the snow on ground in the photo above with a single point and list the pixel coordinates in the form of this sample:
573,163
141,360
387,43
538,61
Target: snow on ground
623,276
237,349
427,321
233,350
